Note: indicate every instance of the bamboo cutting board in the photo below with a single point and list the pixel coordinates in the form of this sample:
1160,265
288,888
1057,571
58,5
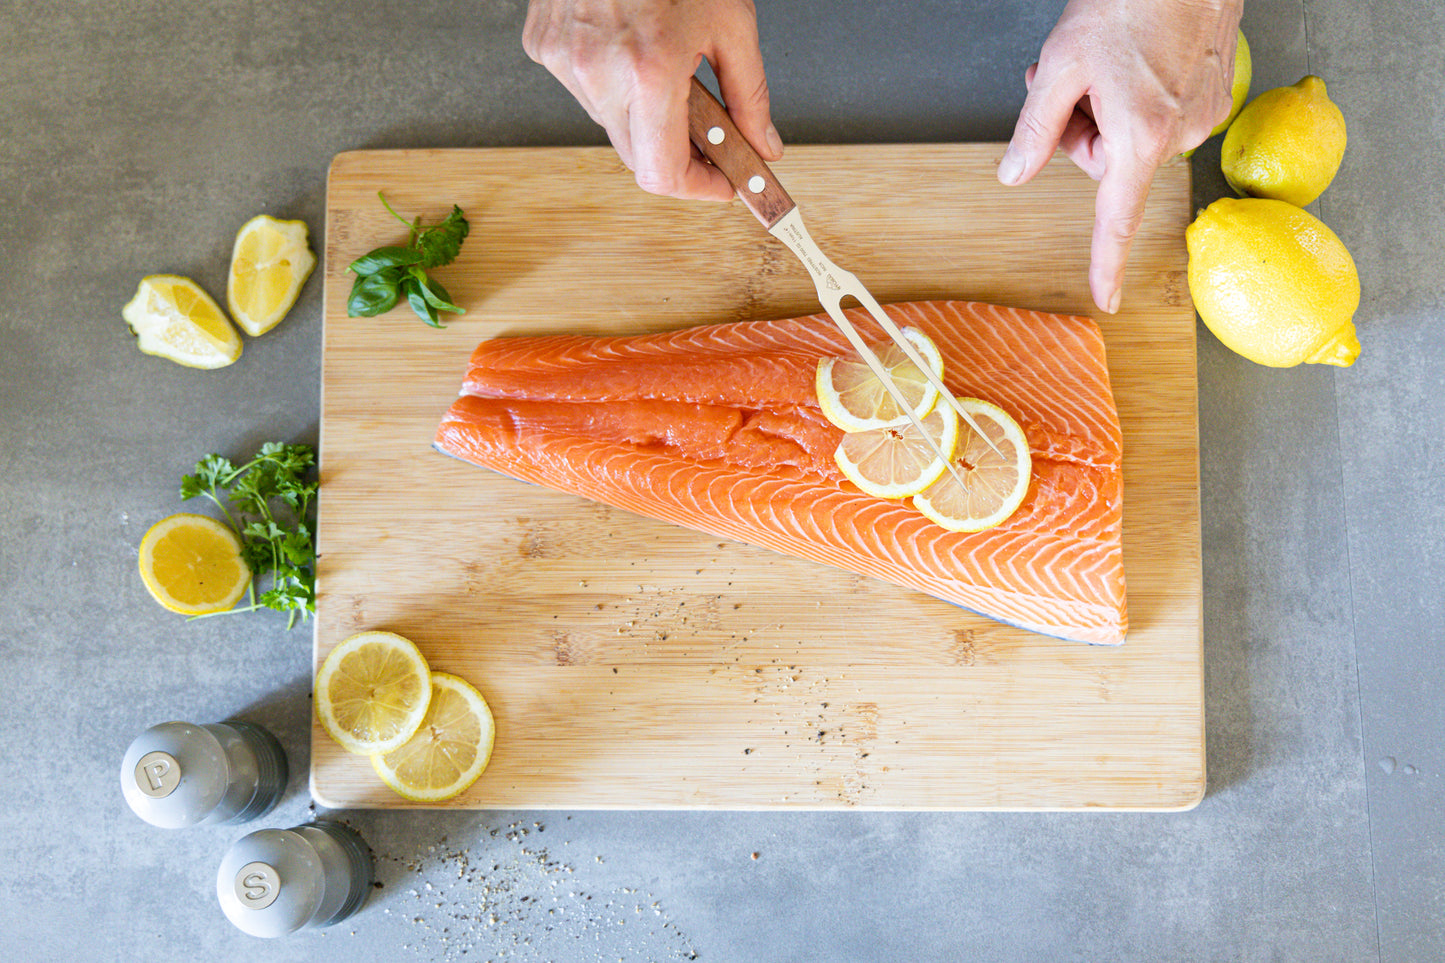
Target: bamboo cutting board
633,664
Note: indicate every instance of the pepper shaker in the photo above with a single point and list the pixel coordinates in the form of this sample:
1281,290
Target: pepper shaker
179,774
278,881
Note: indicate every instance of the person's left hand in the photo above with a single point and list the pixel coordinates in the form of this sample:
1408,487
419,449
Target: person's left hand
1120,87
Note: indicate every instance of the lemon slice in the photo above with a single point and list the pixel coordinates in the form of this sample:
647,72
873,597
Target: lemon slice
854,399
895,461
192,564
270,262
173,318
449,751
994,482
372,692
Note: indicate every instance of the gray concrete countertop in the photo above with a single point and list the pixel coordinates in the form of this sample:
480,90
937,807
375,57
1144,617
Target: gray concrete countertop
138,136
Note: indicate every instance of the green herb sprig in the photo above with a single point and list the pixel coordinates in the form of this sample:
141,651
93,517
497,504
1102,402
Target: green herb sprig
387,274
269,503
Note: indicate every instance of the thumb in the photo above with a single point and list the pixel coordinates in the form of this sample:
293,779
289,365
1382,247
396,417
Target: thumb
1045,114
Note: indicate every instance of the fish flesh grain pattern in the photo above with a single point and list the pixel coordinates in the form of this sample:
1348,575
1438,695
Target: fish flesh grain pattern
718,428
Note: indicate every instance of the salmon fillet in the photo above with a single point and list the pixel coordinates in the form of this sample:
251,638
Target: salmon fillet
718,428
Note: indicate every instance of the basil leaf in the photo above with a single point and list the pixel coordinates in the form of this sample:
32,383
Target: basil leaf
419,303
388,273
384,257
433,291
374,294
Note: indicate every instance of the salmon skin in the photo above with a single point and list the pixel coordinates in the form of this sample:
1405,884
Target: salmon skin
718,428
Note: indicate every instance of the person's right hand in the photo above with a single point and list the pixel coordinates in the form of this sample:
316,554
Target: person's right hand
630,64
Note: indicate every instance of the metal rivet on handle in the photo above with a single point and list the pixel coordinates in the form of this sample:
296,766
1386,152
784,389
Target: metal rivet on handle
715,135
756,183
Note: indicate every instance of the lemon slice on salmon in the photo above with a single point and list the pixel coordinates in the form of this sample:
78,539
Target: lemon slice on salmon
895,461
449,750
372,692
270,261
854,399
192,564
172,317
994,481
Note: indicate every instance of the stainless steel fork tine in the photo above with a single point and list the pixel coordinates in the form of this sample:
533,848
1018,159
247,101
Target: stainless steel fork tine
881,317
835,311
718,139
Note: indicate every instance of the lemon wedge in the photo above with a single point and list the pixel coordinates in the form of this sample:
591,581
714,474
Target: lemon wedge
192,564
854,399
994,482
372,692
270,261
172,317
450,749
895,461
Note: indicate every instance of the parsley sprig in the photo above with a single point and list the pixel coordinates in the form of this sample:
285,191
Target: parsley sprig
389,273
269,503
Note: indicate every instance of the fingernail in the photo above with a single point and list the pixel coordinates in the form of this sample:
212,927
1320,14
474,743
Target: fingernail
1011,168
1114,302
775,143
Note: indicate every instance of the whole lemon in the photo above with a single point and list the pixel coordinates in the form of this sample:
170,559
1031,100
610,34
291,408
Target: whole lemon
1287,144
1273,283
1239,90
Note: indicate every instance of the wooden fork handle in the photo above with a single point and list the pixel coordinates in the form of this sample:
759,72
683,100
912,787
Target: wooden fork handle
720,141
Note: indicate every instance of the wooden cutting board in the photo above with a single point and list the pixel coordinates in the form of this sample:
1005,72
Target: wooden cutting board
633,664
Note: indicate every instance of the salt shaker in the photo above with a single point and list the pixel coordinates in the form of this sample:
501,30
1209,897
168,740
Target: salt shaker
278,881
178,774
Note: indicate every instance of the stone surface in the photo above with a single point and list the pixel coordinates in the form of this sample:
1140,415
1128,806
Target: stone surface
140,136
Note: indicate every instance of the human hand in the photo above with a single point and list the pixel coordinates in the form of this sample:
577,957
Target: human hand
630,64
1120,87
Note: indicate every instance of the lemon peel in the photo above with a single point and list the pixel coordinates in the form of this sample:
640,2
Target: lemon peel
172,317
270,262
895,461
853,398
451,747
1273,283
993,473
1287,144
192,564
372,692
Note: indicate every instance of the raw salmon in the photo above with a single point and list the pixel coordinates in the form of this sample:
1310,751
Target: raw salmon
718,428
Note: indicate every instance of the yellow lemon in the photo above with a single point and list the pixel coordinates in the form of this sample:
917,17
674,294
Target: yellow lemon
853,398
270,261
1273,283
1239,89
895,461
372,692
449,750
172,317
994,477
192,564
1287,144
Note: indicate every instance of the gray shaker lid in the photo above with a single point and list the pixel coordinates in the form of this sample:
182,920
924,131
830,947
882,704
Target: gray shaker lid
271,883
174,774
